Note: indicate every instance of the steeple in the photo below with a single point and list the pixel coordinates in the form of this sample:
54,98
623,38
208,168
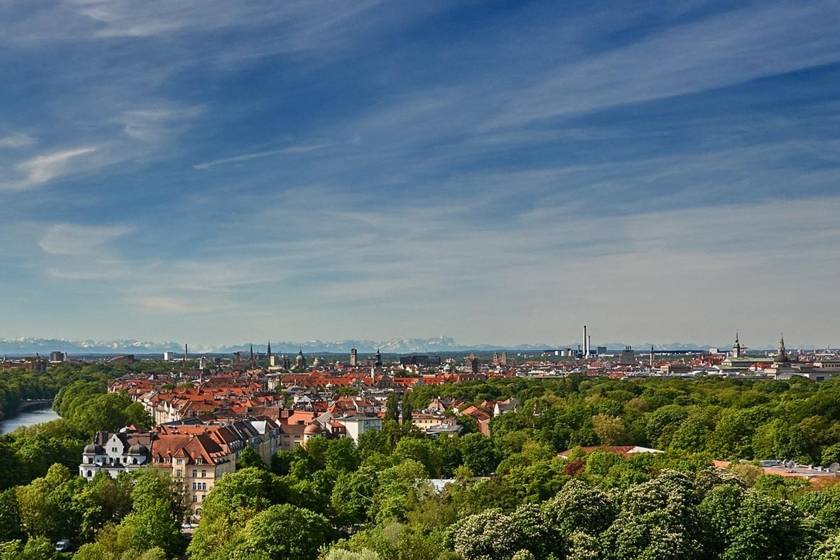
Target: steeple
251,357
781,356
736,349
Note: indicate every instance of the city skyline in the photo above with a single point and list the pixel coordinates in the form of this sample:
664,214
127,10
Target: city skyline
442,344
499,173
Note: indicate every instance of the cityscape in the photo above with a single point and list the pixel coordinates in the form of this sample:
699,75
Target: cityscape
439,280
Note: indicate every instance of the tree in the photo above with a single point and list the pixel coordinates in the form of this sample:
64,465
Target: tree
248,458
397,490
407,409
46,505
658,521
283,532
420,450
719,511
767,529
9,516
478,454
341,455
578,507
391,410
103,500
485,536
234,500
342,554
609,429
154,527
829,549
353,494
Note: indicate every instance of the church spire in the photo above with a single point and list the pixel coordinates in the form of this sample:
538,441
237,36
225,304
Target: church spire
782,356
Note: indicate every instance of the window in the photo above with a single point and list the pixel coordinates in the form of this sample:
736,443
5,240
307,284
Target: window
89,474
203,473
194,473
180,461
195,498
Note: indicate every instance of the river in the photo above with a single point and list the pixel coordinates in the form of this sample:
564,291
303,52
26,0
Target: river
28,418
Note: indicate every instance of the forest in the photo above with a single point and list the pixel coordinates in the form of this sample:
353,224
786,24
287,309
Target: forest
509,497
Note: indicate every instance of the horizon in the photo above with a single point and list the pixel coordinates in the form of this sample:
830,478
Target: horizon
503,171
406,345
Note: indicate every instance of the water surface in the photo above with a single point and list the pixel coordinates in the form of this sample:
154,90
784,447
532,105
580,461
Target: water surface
28,418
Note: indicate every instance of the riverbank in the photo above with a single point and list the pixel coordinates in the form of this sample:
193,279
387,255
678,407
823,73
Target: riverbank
28,418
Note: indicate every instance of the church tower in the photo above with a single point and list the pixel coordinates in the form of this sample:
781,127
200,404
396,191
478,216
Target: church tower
736,349
781,355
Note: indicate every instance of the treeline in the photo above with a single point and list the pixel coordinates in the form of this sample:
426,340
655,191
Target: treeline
722,418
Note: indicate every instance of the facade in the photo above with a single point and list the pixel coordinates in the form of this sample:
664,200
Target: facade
358,424
123,451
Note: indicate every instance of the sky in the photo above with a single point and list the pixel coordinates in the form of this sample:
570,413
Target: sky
500,172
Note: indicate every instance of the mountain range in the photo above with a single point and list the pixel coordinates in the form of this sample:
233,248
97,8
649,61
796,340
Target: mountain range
26,346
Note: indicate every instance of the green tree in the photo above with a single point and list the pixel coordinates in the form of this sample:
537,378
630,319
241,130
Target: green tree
248,458
478,454
283,532
767,529
353,494
407,409
485,536
234,500
391,408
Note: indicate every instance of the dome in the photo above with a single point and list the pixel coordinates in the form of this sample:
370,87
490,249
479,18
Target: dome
137,449
93,449
312,429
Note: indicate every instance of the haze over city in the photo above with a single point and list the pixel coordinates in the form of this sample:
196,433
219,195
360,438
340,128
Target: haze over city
498,172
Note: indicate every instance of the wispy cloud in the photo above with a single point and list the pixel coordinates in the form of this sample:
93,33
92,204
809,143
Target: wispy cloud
18,140
74,239
717,51
155,124
302,149
45,167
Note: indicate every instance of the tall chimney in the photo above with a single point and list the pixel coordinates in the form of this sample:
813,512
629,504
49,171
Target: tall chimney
585,343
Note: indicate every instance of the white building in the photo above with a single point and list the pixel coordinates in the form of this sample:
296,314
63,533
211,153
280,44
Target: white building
123,451
358,424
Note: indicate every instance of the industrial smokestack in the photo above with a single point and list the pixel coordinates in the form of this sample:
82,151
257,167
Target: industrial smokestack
585,343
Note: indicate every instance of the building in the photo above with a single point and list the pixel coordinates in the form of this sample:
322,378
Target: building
472,363
354,357
627,357
358,424
300,360
58,357
123,451
737,350
500,359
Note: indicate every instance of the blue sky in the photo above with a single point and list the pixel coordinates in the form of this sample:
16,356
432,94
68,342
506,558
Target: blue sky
501,172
